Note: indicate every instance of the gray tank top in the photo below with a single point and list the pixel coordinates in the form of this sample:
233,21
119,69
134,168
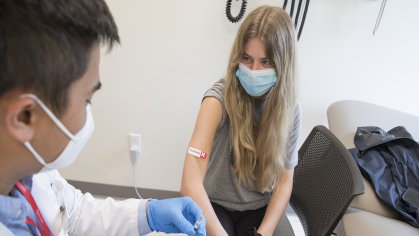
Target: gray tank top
220,181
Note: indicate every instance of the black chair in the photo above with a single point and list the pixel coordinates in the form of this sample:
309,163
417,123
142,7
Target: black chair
325,181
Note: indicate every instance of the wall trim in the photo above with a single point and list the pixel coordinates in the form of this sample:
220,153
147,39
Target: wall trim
121,191
129,192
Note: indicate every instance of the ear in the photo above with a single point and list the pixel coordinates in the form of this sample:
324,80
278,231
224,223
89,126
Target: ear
19,119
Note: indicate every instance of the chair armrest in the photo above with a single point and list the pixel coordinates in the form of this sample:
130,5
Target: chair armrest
370,202
362,223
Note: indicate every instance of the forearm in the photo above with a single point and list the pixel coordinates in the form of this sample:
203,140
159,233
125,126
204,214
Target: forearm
120,218
276,208
197,192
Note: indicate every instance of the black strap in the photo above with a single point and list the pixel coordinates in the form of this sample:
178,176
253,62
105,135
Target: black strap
252,231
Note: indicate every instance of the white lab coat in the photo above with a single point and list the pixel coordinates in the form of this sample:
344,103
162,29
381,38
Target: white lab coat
81,214
4,231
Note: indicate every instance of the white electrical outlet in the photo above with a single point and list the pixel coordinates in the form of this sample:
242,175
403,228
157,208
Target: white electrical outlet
135,141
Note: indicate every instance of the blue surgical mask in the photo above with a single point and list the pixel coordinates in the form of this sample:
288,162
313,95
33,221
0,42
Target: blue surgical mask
256,82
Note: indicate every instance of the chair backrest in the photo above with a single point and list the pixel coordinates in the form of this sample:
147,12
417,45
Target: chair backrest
326,180
344,117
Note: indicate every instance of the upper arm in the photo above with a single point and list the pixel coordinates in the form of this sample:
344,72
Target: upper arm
285,182
292,145
209,117
288,176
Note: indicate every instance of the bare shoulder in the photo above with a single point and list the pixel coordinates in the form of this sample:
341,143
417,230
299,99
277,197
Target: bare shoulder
212,102
210,114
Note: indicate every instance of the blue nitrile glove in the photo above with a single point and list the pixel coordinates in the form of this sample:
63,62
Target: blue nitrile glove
176,215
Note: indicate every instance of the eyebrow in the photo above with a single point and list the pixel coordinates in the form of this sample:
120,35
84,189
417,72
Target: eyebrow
247,55
265,58
97,87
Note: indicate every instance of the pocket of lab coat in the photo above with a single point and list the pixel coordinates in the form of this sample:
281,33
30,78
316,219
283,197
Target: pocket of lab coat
51,200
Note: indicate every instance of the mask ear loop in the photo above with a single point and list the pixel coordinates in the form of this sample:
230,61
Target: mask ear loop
54,119
36,155
51,115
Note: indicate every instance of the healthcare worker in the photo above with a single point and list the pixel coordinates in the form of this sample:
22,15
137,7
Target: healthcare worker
247,131
49,72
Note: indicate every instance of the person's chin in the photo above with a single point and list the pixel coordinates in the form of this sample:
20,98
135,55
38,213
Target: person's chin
262,97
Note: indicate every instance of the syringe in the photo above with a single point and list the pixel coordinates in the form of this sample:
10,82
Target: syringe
198,222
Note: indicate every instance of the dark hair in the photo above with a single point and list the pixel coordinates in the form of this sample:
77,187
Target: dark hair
45,45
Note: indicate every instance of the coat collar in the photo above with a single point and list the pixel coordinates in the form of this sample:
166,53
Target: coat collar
370,136
12,208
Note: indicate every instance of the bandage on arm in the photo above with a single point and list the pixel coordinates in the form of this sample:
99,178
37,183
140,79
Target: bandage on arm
197,153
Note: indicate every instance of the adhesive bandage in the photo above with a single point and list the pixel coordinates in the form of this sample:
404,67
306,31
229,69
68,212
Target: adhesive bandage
197,153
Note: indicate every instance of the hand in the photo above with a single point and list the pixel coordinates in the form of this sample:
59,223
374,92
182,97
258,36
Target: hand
176,215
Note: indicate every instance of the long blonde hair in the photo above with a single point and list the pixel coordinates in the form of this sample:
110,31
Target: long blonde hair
263,147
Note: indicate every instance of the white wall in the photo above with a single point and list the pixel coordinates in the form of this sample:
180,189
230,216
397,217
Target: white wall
172,51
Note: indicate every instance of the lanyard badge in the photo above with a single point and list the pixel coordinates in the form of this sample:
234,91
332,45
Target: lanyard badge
27,194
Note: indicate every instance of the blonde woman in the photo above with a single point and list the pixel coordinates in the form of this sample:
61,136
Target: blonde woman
248,126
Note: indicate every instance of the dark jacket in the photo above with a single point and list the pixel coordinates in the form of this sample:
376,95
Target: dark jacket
390,161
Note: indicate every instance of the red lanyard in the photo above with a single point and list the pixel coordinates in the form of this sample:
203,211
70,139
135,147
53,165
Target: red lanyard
25,191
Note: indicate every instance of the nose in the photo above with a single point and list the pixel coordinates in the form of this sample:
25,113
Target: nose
256,66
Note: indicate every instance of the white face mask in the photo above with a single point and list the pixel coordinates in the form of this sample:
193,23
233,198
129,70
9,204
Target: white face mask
75,145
